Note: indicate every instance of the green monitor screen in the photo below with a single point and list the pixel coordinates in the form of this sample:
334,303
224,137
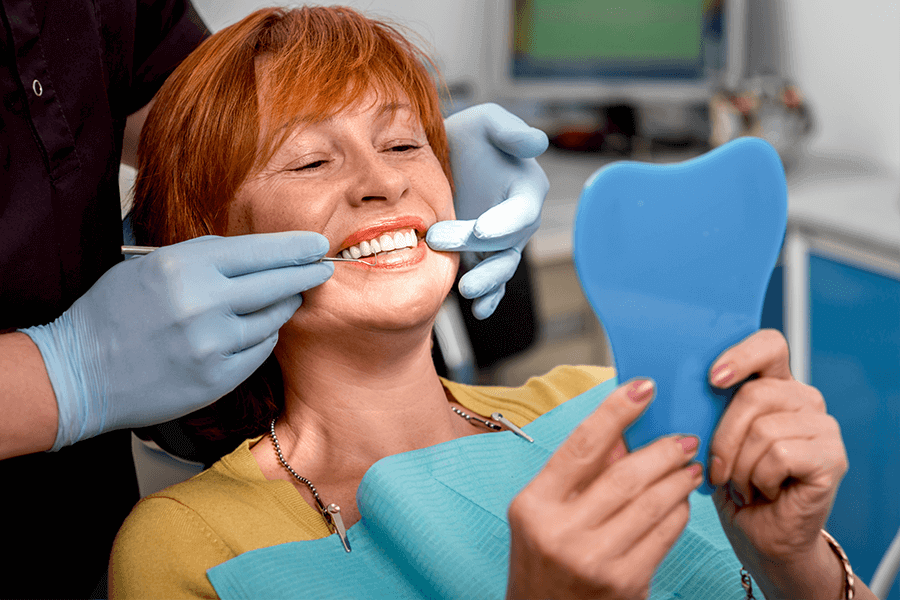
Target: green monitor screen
616,39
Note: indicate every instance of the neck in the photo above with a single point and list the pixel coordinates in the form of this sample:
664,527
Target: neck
348,407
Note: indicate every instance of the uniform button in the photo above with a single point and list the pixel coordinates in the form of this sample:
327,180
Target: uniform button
37,87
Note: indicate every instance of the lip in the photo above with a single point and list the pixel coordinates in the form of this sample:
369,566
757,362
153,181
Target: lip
380,227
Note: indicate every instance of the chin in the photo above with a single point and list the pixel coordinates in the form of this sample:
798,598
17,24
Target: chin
359,299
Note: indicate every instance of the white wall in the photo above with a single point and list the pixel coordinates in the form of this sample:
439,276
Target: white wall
451,27
845,56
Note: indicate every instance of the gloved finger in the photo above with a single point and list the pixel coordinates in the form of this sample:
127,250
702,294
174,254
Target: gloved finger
450,236
254,328
511,134
519,213
242,254
485,306
490,273
241,365
459,236
255,291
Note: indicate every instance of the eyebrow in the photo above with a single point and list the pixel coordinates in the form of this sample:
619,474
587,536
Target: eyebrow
391,108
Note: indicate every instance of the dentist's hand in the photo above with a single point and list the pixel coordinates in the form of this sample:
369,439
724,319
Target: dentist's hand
500,191
165,334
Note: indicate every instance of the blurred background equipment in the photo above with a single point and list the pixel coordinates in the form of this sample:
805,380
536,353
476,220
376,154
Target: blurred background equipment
608,51
634,71
770,108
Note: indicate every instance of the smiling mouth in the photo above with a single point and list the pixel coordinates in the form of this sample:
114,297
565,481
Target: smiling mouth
383,244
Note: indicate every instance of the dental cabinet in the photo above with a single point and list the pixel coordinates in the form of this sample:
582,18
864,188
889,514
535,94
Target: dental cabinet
842,282
835,294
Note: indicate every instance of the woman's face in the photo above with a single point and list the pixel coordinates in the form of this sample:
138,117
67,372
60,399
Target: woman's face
367,173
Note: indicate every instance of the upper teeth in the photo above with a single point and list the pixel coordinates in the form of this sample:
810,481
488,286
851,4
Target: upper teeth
404,238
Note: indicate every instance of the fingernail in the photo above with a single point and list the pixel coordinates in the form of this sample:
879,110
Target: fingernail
641,390
722,374
695,469
689,444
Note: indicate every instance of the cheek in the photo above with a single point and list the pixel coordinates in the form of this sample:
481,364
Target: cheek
391,301
447,211
436,189
275,208
238,218
248,210
450,210
453,268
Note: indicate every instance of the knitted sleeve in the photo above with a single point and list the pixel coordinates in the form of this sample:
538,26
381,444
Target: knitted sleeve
163,551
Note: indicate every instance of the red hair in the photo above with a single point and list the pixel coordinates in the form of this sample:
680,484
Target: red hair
204,135
207,133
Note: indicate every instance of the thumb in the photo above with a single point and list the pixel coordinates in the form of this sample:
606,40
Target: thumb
512,135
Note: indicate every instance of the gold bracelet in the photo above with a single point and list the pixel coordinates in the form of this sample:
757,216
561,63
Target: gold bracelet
849,578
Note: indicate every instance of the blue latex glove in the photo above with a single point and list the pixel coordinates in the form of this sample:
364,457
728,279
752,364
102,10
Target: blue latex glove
500,191
165,334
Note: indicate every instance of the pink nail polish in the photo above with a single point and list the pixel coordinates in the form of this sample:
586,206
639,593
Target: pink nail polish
722,374
689,444
641,390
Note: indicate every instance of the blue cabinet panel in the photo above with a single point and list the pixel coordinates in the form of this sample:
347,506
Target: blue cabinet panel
773,304
855,363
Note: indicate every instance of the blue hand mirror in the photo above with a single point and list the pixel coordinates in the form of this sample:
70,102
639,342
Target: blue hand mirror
675,260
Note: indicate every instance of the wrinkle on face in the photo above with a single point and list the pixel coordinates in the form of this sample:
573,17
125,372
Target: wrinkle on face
332,199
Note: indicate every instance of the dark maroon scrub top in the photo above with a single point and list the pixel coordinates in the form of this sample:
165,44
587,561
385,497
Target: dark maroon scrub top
71,72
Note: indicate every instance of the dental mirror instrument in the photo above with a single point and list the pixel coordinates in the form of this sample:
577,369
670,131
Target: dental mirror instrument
675,260
142,250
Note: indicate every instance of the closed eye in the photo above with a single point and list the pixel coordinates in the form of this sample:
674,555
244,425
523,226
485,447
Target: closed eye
311,166
403,148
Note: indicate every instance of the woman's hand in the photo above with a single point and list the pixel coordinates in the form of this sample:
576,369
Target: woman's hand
782,458
597,521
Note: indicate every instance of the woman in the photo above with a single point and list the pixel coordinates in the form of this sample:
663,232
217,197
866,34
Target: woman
358,154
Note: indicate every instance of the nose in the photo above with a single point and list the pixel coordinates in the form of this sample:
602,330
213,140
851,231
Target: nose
376,179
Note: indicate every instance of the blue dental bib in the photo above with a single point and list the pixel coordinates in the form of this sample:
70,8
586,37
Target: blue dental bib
675,261
434,527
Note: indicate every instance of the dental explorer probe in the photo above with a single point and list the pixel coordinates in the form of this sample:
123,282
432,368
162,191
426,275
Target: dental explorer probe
142,250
